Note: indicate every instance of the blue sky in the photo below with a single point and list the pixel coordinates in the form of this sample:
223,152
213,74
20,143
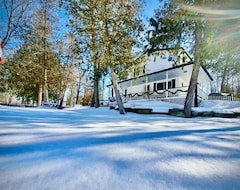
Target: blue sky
151,5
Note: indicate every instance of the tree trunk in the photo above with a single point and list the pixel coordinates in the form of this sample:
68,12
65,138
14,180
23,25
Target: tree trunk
45,91
78,91
92,99
61,103
223,82
40,91
117,93
191,90
96,92
95,98
61,97
71,99
195,72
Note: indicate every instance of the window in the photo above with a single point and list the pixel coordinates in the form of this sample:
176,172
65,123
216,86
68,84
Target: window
148,88
184,59
140,80
144,70
174,83
162,85
169,84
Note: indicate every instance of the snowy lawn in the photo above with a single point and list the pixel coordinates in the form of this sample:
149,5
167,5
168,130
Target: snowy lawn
100,149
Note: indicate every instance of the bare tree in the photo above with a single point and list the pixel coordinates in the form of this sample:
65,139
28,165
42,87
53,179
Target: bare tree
14,18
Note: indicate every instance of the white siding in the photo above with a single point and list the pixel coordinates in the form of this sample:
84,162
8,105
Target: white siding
204,82
157,63
160,61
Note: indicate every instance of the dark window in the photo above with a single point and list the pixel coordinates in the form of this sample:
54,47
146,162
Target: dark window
174,83
161,86
148,88
183,59
144,69
169,84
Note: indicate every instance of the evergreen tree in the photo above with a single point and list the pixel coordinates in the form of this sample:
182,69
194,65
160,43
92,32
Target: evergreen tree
85,24
107,29
182,24
35,59
24,72
225,42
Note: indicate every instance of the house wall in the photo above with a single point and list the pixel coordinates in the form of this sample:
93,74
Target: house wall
204,82
160,61
181,76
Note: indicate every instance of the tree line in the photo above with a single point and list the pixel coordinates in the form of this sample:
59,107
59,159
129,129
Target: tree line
72,45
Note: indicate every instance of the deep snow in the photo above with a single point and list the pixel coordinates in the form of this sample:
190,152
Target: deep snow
88,148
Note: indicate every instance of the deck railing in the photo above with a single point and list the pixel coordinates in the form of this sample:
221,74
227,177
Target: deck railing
224,98
158,94
173,93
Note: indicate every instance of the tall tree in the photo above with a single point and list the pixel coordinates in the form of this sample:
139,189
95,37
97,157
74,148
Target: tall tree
169,30
41,26
120,30
224,20
110,29
23,73
85,23
37,39
71,71
202,10
184,25
45,19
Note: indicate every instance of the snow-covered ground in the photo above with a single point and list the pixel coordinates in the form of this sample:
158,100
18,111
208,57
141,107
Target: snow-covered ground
163,107
88,148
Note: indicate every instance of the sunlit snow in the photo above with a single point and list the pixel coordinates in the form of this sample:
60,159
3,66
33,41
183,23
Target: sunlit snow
88,148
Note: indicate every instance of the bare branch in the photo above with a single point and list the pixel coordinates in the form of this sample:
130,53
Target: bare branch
15,11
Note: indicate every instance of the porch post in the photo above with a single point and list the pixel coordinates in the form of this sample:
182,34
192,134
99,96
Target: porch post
196,97
112,92
166,84
146,88
146,82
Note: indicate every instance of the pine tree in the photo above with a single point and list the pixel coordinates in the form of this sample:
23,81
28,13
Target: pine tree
225,43
181,23
107,29
35,58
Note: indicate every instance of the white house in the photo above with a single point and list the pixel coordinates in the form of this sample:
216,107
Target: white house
165,75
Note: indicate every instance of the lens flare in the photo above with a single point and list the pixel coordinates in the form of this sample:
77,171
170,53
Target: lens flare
214,14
